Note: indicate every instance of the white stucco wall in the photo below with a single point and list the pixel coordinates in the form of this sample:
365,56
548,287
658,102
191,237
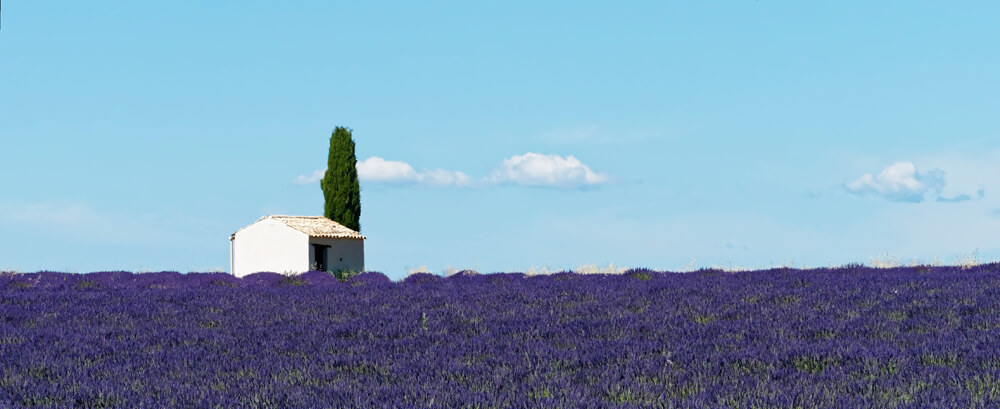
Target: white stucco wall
269,245
343,254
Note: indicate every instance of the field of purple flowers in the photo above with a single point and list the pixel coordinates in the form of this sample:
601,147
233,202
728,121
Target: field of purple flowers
853,337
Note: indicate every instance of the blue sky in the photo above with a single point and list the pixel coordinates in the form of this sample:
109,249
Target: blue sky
139,136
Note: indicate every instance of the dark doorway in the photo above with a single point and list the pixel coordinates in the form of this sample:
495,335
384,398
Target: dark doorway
319,257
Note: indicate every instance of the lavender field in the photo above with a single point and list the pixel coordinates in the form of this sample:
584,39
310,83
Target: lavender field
853,337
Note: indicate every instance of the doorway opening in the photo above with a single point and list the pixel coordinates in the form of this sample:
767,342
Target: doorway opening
319,257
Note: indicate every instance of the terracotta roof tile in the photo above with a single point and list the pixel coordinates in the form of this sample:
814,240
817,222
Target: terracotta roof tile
316,226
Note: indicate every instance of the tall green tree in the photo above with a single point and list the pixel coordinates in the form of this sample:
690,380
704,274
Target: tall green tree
340,183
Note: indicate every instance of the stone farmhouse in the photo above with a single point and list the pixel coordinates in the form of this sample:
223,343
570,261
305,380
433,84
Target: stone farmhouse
295,244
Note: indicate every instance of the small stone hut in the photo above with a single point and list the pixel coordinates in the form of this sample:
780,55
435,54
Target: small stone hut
295,244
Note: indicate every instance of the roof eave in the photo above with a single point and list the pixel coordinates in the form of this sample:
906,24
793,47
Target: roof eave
328,236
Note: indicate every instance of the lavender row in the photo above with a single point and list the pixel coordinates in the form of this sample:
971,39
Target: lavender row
853,337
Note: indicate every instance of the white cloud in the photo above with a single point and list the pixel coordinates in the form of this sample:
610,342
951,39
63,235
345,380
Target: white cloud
373,169
530,169
900,182
376,169
534,169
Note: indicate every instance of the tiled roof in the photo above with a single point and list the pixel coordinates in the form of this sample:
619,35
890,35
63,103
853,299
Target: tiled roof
316,226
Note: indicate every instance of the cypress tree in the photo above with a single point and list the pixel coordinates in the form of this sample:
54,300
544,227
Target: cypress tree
340,183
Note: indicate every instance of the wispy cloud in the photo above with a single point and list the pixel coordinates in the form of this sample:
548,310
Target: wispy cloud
900,182
316,176
529,169
77,220
441,177
963,197
46,213
736,246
